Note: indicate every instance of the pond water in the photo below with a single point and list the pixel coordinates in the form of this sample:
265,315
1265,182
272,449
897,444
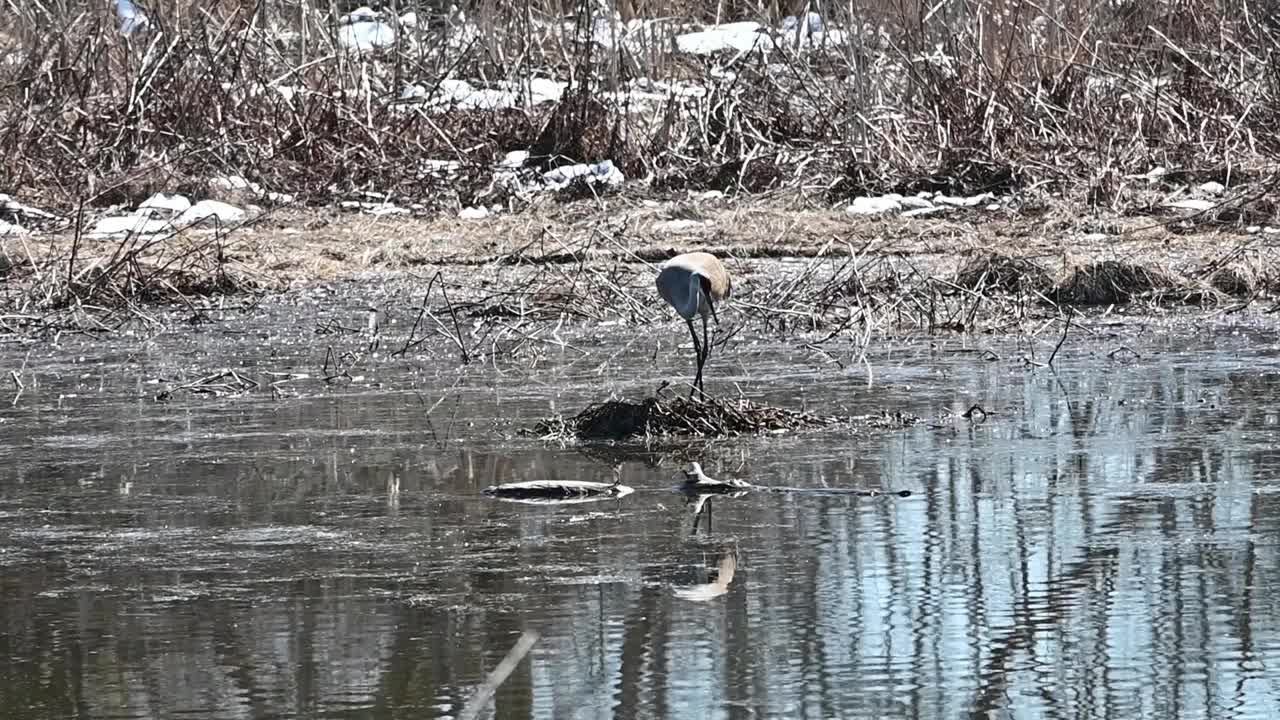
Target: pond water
1103,545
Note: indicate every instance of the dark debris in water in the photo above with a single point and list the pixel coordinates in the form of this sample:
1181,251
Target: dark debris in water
707,417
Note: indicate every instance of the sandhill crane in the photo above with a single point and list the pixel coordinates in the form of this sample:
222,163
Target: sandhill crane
693,283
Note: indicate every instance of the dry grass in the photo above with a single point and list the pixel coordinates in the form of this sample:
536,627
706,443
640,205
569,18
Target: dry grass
1111,281
815,271
1077,101
998,272
1061,111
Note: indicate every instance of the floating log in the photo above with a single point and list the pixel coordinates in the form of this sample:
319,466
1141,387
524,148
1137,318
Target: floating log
557,492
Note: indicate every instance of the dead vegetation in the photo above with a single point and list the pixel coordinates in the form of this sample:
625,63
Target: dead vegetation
1111,281
998,272
1075,107
100,285
655,417
506,287
1079,102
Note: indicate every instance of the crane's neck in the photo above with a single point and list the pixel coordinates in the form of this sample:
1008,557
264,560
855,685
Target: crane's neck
693,298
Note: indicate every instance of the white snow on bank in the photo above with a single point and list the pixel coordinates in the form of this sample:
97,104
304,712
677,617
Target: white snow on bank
161,214
923,203
739,37
130,17
173,204
512,174
603,173
10,206
363,30
462,95
18,218
238,182
809,31
638,35
211,211
131,224
812,31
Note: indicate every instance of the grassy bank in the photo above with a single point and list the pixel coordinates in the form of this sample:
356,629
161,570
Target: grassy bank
795,271
1084,121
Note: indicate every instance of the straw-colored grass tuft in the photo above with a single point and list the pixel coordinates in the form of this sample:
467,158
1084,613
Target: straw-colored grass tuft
1110,281
994,271
1234,280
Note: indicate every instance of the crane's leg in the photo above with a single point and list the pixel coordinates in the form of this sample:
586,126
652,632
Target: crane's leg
711,304
698,351
706,351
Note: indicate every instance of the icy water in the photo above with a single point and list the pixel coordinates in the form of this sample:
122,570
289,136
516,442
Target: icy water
1103,545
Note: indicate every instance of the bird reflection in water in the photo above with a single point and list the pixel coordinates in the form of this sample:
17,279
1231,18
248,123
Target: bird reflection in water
703,592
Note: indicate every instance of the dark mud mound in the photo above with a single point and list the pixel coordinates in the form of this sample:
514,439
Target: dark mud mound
1002,273
652,417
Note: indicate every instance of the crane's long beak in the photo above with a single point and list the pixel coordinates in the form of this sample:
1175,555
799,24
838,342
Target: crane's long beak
712,304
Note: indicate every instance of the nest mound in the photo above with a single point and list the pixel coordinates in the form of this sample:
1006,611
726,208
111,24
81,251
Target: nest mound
1002,273
1110,281
622,419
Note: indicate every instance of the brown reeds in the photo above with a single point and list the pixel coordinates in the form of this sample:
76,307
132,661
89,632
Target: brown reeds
988,95
1074,104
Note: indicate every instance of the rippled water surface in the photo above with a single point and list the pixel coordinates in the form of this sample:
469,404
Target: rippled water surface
1103,545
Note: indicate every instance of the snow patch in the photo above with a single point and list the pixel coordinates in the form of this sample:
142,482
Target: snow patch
131,224
865,205
363,30
739,36
220,212
131,18
1196,204
168,204
605,173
